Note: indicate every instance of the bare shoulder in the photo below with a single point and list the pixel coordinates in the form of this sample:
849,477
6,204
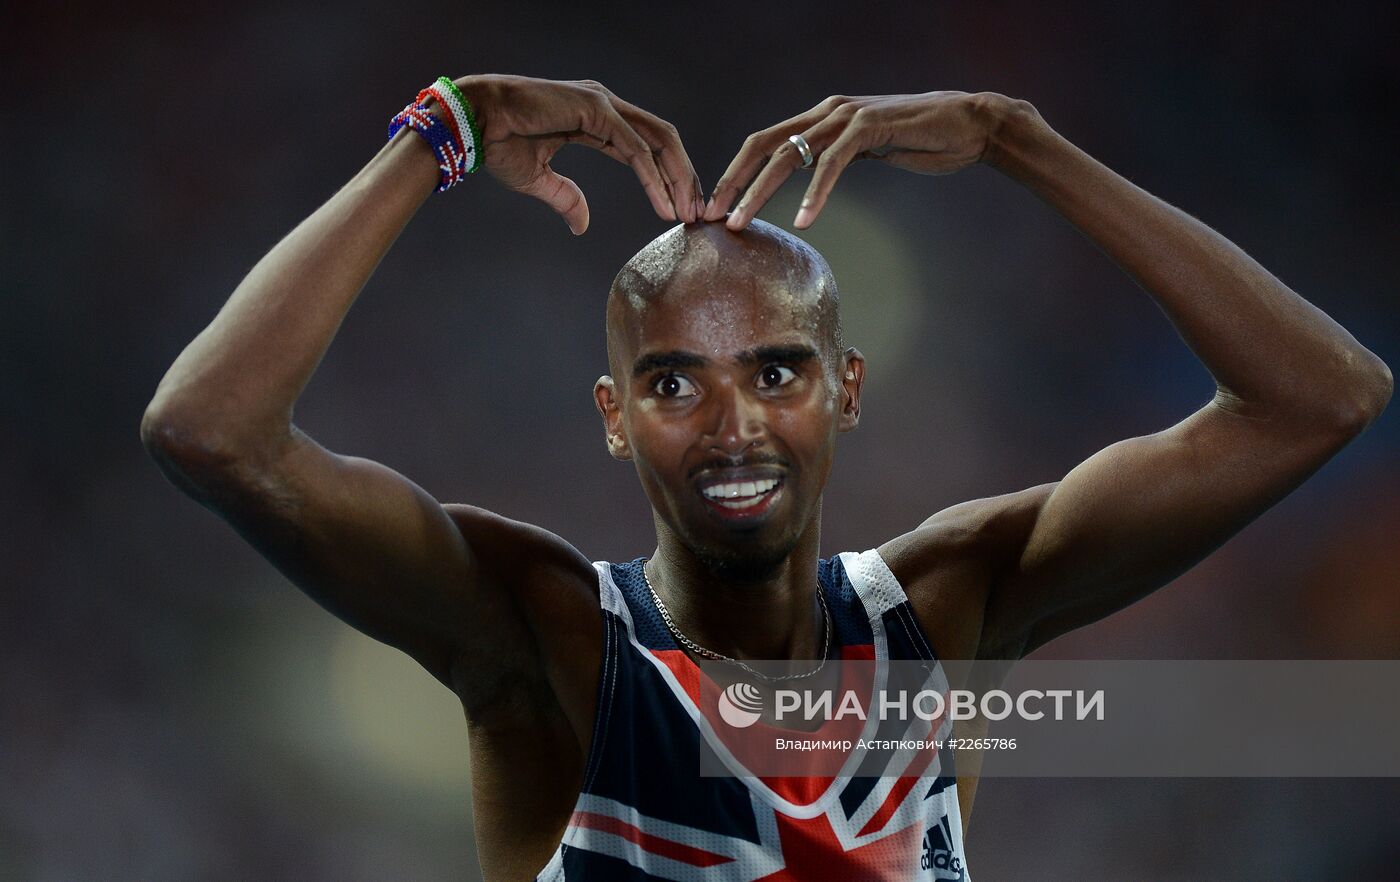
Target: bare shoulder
553,584
518,551
979,529
545,618
948,564
530,692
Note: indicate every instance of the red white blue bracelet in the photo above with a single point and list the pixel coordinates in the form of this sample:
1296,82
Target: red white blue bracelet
454,136
448,150
459,116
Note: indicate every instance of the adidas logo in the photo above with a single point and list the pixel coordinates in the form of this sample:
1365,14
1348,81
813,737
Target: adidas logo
939,858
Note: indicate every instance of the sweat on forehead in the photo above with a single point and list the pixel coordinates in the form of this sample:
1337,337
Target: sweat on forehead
708,259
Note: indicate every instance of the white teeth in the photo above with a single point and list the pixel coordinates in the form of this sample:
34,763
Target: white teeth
747,503
749,491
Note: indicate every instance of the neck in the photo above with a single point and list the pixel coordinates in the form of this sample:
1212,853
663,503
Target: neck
771,617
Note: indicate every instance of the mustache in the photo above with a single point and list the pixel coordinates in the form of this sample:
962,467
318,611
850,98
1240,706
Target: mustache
738,462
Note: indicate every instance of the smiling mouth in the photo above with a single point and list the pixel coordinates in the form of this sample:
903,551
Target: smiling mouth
741,495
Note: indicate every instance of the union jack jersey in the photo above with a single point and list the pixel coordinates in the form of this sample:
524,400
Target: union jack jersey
645,813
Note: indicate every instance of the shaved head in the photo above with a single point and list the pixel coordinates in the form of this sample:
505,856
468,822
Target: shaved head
708,261
728,369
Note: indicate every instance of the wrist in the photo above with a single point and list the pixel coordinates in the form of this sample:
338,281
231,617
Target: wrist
478,90
1012,127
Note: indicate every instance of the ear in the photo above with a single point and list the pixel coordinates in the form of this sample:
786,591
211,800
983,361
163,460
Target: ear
607,398
851,379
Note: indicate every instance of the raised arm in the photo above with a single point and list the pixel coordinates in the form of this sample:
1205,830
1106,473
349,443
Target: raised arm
1293,387
364,541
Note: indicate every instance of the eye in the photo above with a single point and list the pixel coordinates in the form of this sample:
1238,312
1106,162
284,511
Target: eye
775,375
674,386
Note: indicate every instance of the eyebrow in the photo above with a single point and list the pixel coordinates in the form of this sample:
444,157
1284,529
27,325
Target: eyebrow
679,358
655,361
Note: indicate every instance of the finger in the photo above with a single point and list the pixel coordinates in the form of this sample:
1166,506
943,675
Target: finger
785,160
747,163
670,157
562,195
631,149
756,150
613,152
637,154
833,161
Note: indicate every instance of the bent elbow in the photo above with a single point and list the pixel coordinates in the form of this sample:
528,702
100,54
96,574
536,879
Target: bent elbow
1360,403
1377,389
194,456
174,438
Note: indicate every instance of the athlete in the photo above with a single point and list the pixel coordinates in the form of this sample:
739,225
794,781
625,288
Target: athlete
728,386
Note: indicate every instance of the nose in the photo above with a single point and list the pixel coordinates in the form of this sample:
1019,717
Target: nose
735,422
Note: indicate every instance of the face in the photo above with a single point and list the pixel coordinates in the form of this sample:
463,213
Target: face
729,401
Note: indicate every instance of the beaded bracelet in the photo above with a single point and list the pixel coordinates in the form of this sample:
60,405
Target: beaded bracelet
448,150
459,117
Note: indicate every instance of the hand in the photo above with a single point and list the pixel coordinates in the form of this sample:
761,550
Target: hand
935,133
524,122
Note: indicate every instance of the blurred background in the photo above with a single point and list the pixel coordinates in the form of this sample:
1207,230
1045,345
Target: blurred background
172,709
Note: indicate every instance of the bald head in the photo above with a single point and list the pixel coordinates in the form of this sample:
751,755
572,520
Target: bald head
761,265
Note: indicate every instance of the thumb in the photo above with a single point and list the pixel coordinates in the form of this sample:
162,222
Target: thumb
562,195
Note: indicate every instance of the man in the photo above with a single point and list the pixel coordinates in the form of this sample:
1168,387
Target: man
728,387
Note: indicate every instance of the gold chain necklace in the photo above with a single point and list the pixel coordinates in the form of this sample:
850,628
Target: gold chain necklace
711,654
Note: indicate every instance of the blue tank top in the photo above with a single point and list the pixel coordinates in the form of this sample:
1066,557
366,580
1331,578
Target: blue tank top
645,813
